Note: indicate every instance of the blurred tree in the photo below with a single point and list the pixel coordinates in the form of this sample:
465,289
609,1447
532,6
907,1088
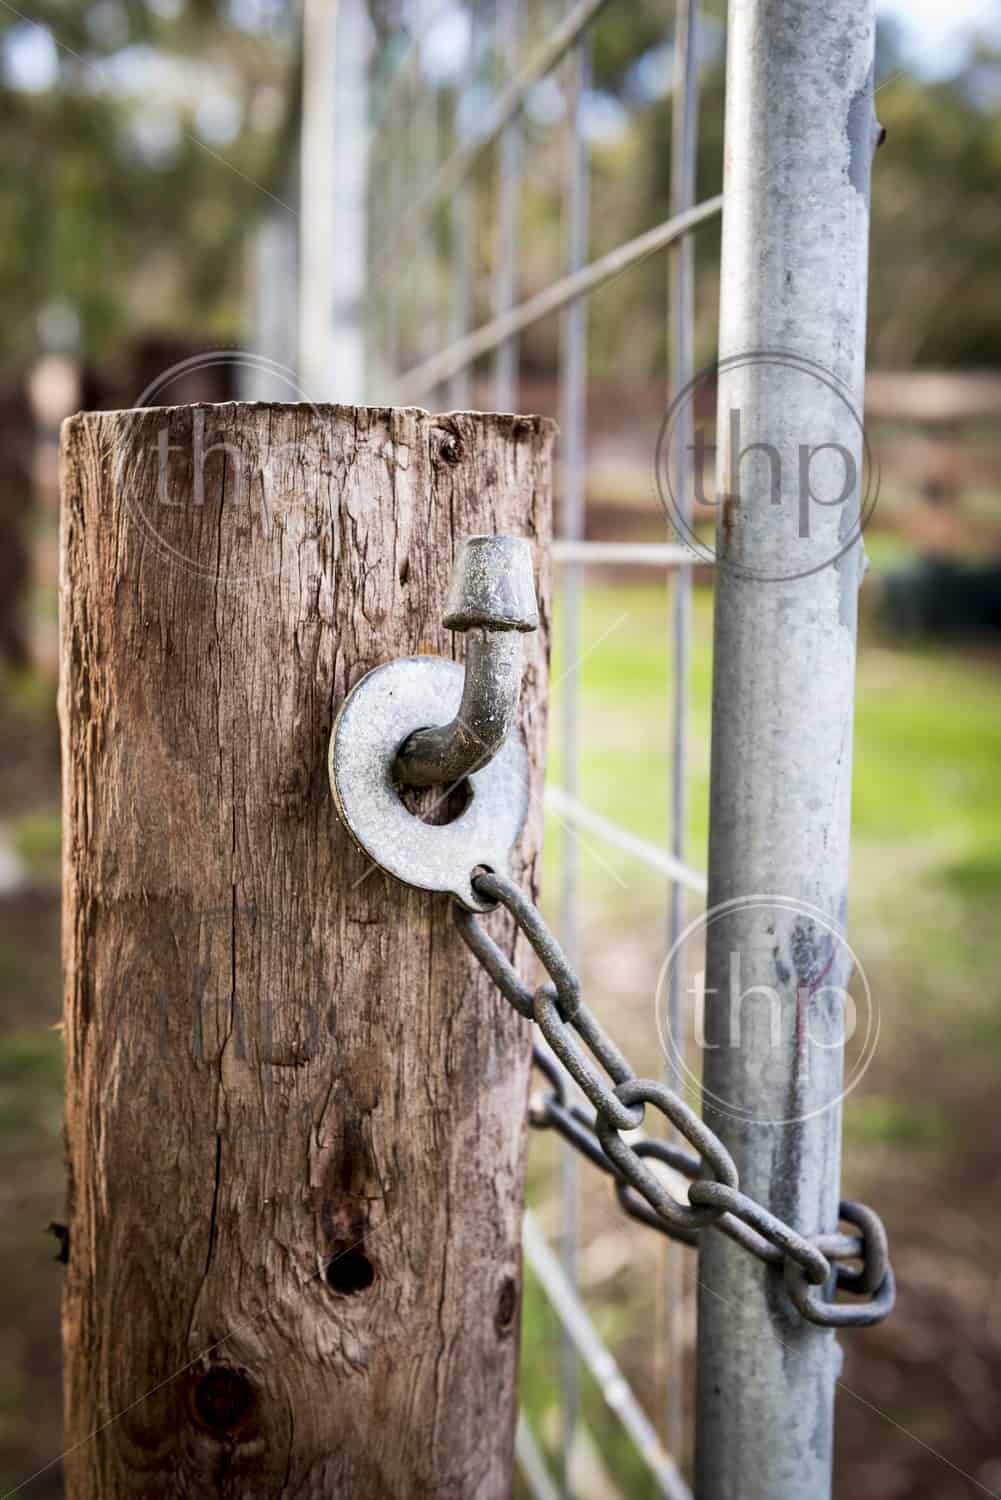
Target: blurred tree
936,221
936,211
146,135
139,134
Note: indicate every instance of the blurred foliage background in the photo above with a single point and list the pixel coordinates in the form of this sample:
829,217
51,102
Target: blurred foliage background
143,136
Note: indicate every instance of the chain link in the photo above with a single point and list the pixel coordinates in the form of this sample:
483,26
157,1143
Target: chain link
811,1266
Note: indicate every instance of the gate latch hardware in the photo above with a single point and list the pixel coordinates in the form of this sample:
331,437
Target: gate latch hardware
390,733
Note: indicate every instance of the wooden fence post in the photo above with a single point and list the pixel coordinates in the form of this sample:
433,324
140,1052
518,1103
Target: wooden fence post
295,1108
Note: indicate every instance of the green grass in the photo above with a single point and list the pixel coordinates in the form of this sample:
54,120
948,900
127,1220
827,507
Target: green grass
926,822
886,550
538,1384
36,838
898,1123
979,873
927,746
624,737
27,696
31,1080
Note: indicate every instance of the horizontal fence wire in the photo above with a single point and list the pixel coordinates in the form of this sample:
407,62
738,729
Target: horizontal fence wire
562,805
612,1384
423,378
642,554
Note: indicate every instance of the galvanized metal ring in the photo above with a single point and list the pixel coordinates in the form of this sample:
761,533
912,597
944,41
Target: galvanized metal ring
630,1163
495,887
378,715
685,1162
813,1305
571,1124
542,1115
557,1033
874,1251
496,963
632,1204
778,1233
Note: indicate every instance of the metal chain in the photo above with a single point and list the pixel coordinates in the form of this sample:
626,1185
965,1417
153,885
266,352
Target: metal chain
810,1265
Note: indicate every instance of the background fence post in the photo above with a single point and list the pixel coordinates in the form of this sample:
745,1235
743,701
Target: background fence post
333,164
800,131
295,1106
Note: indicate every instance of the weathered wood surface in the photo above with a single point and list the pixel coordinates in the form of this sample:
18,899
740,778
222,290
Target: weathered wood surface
294,1109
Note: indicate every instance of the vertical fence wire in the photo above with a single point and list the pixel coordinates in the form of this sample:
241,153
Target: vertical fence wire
389,122
410,275
681,296
573,383
462,252
460,302
405,312
392,300
463,241
401,131
508,37
320,54
428,325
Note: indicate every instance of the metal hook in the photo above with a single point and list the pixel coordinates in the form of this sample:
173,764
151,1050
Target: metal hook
380,736
491,596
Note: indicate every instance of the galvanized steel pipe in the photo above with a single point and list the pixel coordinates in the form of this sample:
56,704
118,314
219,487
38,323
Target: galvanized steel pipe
800,131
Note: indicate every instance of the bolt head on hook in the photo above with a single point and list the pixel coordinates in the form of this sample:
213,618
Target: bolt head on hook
492,585
491,597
